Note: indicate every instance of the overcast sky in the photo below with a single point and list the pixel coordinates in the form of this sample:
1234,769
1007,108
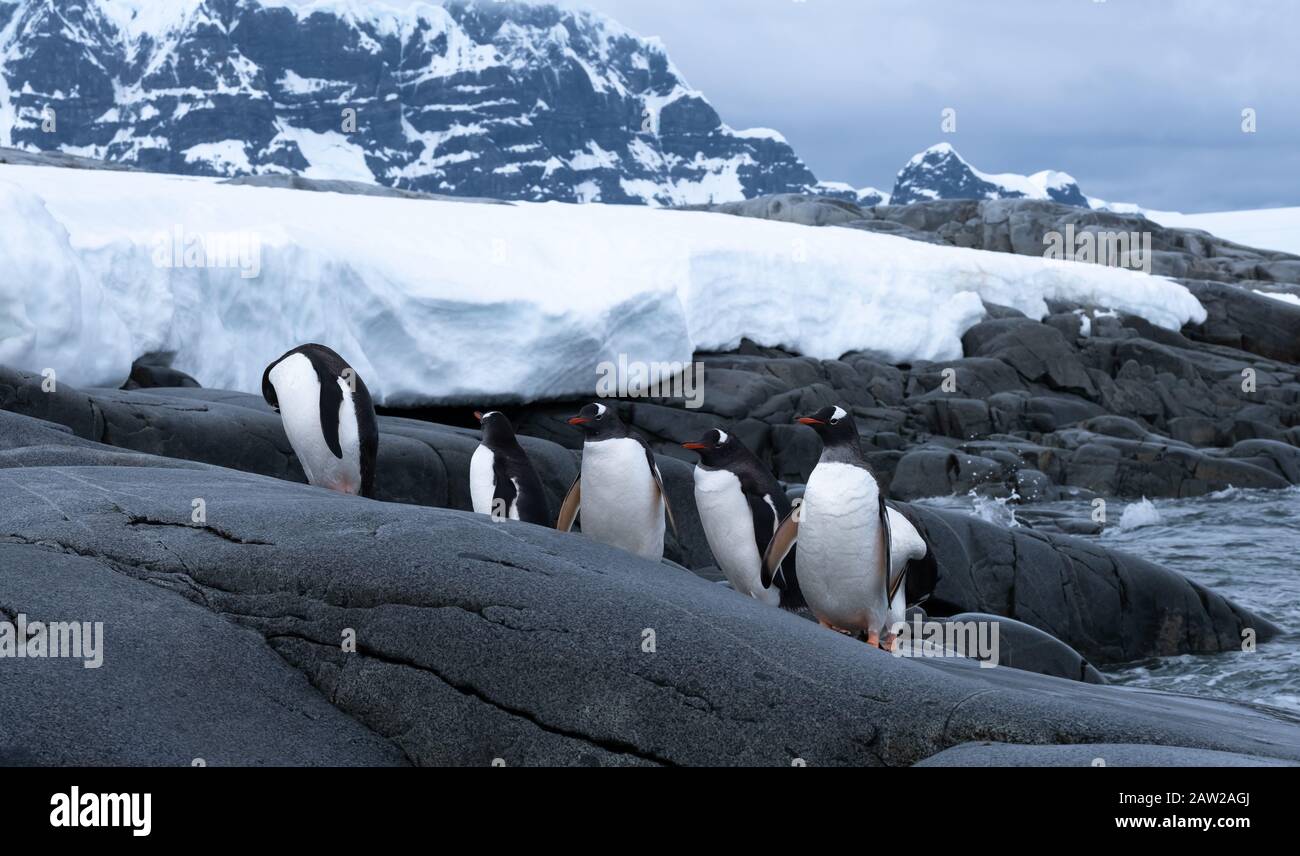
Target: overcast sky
1140,100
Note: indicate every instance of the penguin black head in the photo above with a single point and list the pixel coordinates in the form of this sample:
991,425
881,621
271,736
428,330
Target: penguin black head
268,389
836,427
716,448
599,422
498,433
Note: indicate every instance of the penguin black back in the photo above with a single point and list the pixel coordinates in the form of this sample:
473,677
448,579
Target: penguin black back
768,503
330,368
515,480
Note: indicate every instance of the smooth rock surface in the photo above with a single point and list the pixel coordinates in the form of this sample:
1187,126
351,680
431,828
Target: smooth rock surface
478,640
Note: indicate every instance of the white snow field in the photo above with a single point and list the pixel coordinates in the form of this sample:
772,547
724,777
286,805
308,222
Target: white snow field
459,302
1266,228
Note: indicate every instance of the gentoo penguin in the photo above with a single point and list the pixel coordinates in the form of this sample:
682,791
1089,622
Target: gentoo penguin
328,415
740,504
502,481
618,488
853,549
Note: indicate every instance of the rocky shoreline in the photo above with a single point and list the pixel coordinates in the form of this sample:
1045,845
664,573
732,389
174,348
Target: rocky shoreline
478,640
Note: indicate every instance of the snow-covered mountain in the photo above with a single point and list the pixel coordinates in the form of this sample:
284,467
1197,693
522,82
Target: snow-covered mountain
940,172
504,99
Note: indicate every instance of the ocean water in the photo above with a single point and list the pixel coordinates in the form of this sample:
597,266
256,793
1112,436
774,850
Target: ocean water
1243,544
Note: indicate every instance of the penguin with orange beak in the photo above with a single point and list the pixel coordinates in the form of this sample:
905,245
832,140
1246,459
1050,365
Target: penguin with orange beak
740,504
853,549
502,480
619,491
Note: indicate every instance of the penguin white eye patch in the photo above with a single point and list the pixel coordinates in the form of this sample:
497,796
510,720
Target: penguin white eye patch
839,413
722,436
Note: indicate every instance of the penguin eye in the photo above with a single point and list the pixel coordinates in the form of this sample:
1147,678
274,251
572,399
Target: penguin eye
600,416
835,421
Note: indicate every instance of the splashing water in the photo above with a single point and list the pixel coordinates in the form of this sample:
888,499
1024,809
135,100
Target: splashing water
1243,544
1138,514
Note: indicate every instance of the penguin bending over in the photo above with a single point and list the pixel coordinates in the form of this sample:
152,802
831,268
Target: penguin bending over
853,549
741,504
502,480
619,489
328,417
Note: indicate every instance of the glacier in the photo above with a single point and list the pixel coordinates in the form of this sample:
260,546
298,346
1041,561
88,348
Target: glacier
459,302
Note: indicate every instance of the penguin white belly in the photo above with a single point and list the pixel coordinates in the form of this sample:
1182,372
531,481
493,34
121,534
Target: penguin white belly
839,536
298,392
620,500
482,479
729,528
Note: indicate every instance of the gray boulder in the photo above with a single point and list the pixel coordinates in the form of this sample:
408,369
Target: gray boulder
478,640
1023,646
177,684
790,208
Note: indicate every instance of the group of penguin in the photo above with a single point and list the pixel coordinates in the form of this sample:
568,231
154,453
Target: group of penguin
853,550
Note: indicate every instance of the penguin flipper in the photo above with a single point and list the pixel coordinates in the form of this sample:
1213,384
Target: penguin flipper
569,508
892,584
331,403
367,436
663,494
504,491
783,541
659,483
762,510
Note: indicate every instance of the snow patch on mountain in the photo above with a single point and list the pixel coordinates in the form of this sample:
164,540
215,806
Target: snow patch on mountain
940,172
866,197
505,100
459,302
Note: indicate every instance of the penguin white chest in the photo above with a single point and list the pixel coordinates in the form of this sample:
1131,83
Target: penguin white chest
298,392
729,528
839,548
621,505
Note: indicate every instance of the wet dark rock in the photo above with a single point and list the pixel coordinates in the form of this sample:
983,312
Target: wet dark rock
1023,646
1106,605
155,370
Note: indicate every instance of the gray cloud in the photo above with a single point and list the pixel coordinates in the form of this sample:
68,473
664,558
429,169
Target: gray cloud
1140,100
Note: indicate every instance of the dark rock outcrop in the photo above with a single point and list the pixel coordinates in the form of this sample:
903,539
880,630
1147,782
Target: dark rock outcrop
154,371
1107,606
474,641
1015,416
1023,646
177,683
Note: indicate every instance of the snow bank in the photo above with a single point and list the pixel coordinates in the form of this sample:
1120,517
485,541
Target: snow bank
458,302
